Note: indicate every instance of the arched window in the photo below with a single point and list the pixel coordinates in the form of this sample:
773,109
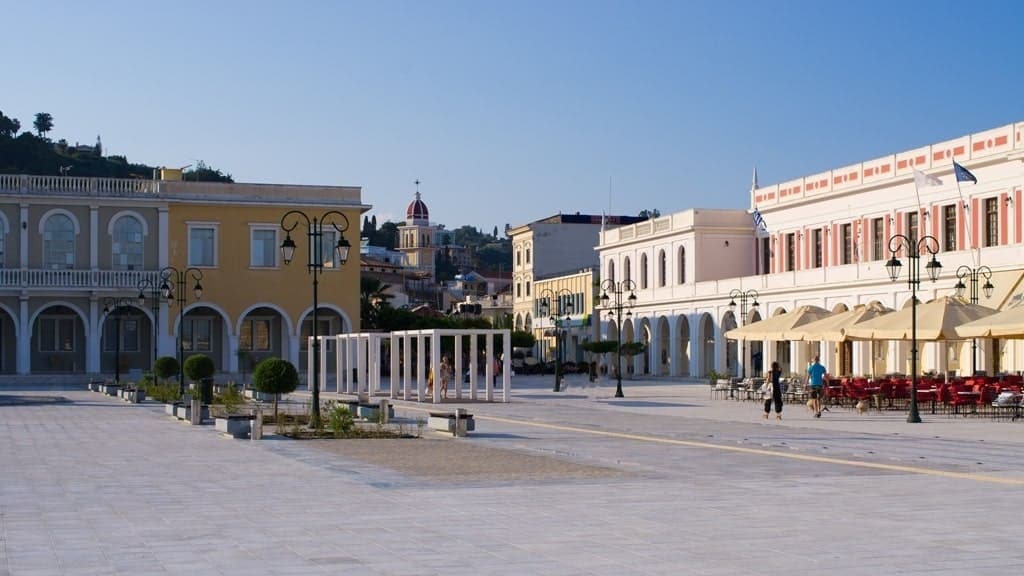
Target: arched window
611,270
643,271
662,265
682,265
59,242
3,236
627,274
126,244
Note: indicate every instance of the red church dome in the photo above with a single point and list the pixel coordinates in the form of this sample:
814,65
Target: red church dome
417,210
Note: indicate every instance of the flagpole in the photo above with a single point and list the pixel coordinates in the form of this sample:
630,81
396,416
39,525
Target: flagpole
975,250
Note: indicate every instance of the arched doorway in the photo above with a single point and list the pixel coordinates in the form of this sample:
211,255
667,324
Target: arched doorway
58,341
707,339
756,348
732,347
125,340
262,332
203,331
663,364
684,351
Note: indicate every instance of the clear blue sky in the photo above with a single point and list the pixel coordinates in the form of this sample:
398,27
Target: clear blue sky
510,111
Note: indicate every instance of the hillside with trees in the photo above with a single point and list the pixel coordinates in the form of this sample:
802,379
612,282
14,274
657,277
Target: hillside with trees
489,253
37,154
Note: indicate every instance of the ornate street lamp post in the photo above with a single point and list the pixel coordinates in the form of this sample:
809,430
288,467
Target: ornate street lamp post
315,262
743,297
154,298
115,307
914,248
559,315
172,287
972,274
615,304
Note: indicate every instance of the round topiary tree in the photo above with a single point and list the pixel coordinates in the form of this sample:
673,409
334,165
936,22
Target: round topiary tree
199,369
275,376
165,367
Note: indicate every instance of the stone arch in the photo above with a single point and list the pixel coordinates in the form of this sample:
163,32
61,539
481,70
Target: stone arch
662,362
684,350
706,337
732,347
69,350
644,360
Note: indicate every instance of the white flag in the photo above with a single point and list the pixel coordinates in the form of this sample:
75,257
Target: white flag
922,180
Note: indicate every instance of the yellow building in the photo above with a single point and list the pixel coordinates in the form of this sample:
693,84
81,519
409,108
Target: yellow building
76,252
562,308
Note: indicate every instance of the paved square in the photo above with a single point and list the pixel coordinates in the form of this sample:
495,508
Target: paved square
664,481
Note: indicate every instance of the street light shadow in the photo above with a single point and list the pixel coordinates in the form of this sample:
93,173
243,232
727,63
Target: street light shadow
647,403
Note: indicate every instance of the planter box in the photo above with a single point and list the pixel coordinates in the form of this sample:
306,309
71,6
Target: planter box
371,412
446,422
184,412
237,426
172,409
133,396
111,389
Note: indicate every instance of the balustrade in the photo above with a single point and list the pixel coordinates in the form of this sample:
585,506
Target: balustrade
75,279
77,185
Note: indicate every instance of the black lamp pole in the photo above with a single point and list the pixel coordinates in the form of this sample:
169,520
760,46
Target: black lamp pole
914,248
615,303
154,299
115,307
172,287
972,274
560,313
743,297
315,266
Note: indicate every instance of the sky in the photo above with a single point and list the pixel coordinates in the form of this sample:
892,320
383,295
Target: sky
513,111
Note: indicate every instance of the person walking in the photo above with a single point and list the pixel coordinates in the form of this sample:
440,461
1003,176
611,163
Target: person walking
774,392
816,380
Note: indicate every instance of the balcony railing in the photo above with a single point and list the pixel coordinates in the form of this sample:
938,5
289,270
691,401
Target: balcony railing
76,185
28,278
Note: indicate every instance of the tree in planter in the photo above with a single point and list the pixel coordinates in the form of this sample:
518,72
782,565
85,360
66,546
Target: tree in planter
165,367
199,369
598,347
633,348
275,376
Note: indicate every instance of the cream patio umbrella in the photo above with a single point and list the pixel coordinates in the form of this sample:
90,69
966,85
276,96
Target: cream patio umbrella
936,320
778,327
1006,324
834,328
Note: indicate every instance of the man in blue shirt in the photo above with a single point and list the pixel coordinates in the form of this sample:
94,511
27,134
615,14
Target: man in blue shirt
816,380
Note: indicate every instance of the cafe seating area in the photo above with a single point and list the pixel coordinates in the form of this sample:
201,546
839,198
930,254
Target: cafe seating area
997,397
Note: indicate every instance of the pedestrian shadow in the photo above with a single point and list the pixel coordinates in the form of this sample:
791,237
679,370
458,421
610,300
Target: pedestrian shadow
553,395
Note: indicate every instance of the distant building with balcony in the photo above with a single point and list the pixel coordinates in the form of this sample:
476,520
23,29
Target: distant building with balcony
69,243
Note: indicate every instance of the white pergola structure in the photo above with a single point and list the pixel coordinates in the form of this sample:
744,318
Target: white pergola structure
407,373
358,359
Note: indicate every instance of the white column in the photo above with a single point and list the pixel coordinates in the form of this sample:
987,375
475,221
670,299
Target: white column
506,369
396,365
421,360
94,238
489,368
435,365
23,243
24,360
458,368
473,366
407,370
696,350
92,341
829,357
232,354
322,384
768,356
362,349
862,358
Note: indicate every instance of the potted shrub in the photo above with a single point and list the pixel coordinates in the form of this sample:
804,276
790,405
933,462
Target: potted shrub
199,370
275,376
228,417
165,367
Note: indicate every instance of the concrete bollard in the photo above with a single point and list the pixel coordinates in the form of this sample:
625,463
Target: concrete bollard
384,407
256,430
196,411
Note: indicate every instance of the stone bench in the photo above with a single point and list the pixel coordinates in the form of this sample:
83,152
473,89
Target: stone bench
449,422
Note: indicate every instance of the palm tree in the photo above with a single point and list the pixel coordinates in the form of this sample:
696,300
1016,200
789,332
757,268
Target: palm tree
372,297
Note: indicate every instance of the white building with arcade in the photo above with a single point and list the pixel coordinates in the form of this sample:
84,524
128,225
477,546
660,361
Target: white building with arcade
827,243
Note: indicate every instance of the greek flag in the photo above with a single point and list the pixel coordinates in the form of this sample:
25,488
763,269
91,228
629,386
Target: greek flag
759,224
963,174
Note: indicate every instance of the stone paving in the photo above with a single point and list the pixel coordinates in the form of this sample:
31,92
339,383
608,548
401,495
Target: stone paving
91,485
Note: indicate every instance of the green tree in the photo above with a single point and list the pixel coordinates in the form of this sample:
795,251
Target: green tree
199,367
165,367
43,123
523,339
276,376
373,297
8,126
206,173
387,235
